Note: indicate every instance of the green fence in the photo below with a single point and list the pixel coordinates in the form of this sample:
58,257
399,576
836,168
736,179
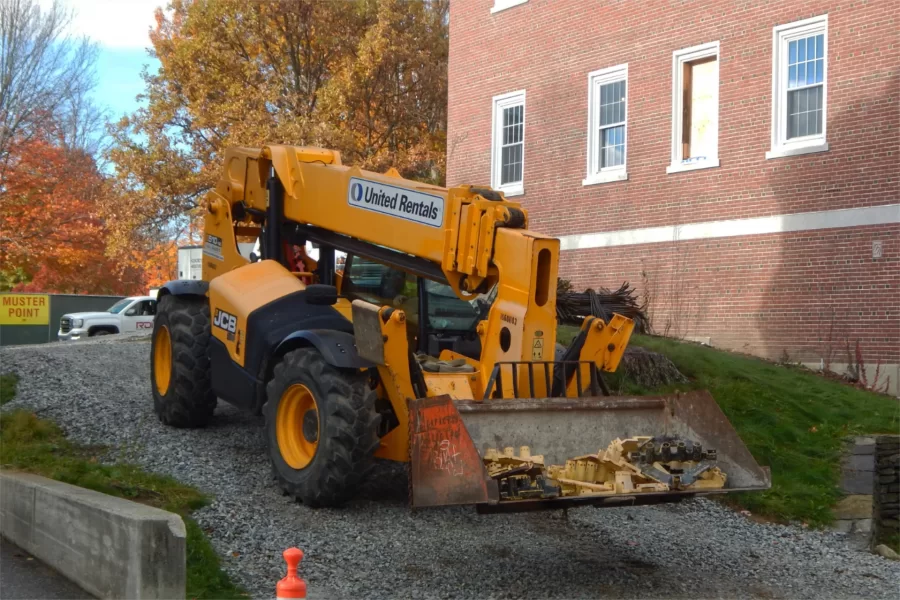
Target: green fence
34,318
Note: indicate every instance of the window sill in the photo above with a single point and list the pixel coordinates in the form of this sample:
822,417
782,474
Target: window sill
515,190
500,5
607,177
783,151
682,167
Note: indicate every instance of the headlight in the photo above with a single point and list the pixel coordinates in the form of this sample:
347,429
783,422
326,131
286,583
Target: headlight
77,323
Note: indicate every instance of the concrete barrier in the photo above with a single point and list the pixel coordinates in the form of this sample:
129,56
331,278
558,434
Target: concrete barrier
112,548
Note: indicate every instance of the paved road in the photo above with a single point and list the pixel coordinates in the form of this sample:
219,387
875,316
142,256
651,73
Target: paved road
23,577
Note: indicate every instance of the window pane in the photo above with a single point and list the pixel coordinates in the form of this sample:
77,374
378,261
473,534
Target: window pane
704,111
612,147
805,111
806,62
612,103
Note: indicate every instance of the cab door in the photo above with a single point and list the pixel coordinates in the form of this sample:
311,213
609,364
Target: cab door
139,316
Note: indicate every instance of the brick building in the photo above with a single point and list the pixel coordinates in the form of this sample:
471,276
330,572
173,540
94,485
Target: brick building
646,137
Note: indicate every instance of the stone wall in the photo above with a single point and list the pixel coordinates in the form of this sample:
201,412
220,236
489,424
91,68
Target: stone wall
887,487
854,513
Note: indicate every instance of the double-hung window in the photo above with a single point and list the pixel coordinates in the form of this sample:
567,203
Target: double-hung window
607,125
799,87
508,147
695,108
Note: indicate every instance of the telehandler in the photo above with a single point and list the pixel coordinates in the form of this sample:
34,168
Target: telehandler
435,345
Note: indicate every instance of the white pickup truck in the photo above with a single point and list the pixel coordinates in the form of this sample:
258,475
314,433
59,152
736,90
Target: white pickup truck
128,314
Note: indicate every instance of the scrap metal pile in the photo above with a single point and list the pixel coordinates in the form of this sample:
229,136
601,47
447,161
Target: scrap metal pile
631,466
572,307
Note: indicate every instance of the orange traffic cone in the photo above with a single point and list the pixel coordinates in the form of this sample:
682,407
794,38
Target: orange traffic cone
291,586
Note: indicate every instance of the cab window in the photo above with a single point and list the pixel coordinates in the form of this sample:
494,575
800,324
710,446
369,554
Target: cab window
446,312
379,284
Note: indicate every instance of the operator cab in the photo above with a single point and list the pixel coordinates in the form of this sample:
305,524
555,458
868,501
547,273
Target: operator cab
449,322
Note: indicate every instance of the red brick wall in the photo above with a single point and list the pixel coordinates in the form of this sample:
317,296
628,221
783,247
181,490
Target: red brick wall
768,292
765,294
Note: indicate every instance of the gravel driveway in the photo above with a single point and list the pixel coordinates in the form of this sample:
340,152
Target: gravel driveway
99,392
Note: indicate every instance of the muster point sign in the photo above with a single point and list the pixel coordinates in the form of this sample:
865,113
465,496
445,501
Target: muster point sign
24,309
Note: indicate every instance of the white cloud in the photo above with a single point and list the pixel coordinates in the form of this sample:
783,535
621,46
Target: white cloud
113,23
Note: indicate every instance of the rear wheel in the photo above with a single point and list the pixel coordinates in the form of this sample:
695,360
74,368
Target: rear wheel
179,359
321,428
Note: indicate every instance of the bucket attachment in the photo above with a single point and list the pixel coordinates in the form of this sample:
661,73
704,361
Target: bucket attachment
533,454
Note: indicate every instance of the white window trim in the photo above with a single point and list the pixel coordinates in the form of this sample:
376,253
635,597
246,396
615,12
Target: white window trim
781,36
679,58
609,174
498,103
504,4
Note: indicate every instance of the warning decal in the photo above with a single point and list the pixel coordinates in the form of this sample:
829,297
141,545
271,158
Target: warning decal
537,349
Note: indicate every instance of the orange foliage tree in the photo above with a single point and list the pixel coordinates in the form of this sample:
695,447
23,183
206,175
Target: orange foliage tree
52,234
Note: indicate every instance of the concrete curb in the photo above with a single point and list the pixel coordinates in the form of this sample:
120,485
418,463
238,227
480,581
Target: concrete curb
112,548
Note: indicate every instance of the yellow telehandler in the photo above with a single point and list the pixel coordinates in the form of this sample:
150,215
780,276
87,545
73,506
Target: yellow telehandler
434,344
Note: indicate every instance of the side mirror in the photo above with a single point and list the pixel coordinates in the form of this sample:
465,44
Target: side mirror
130,312
254,257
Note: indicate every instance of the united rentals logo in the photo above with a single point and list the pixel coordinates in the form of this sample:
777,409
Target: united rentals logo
427,209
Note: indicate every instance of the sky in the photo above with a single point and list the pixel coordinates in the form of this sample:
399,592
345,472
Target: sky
120,28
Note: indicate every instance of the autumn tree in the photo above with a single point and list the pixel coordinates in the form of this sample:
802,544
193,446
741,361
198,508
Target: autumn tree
365,77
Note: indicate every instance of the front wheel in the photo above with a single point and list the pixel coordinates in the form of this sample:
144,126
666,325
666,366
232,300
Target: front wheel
321,428
179,362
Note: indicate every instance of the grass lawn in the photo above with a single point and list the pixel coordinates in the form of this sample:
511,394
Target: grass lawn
7,388
791,419
35,445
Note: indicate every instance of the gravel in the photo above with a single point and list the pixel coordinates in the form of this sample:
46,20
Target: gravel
375,547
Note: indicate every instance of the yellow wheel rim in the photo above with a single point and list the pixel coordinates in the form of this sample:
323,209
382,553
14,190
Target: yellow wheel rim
162,360
297,426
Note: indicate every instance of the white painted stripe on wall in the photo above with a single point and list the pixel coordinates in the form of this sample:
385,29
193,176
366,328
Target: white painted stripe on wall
826,219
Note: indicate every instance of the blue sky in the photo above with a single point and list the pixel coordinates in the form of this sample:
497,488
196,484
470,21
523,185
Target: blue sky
120,28
119,79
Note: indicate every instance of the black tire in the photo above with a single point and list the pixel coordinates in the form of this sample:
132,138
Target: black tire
100,332
188,401
348,423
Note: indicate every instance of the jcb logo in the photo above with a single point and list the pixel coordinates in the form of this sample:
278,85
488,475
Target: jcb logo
225,321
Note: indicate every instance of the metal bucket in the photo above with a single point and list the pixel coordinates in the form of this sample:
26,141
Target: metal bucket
449,439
